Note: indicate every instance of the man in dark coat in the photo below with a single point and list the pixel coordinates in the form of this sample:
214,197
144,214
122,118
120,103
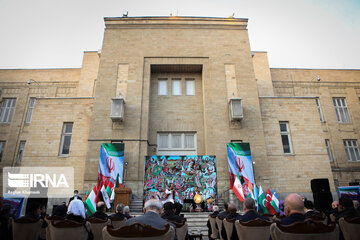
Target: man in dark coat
232,215
119,212
215,213
76,196
346,209
100,211
169,213
294,209
152,210
250,211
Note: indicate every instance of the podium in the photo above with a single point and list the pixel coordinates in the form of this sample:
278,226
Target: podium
122,195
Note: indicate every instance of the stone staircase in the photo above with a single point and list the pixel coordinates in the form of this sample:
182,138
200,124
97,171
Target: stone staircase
196,222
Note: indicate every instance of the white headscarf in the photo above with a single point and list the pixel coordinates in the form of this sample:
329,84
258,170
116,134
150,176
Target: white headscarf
77,208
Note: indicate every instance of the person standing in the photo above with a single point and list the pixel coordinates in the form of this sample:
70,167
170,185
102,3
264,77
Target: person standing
170,194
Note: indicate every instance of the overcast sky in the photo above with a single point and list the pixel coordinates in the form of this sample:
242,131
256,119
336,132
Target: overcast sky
295,33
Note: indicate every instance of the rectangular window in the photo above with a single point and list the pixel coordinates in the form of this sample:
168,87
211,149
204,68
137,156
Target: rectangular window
30,110
20,152
7,109
285,137
352,150
319,109
176,86
328,148
190,86
2,147
66,139
162,86
341,110
175,143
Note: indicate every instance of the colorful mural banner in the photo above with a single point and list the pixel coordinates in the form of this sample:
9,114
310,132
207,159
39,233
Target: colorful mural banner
352,192
239,159
185,172
111,164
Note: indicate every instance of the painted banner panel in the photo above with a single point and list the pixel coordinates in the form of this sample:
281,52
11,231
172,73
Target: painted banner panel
185,172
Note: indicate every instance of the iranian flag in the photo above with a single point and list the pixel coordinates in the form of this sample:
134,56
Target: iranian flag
110,164
275,201
90,203
237,188
262,201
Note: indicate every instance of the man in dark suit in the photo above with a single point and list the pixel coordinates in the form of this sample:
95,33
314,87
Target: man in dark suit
250,211
169,213
232,215
119,212
152,210
76,196
224,213
346,209
215,213
100,211
294,209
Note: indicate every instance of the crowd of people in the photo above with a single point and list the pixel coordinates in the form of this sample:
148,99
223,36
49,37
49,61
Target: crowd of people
296,209
157,214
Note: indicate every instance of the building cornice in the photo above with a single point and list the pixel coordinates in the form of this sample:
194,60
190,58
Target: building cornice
175,22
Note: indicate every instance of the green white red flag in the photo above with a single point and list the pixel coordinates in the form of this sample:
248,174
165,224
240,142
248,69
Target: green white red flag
237,189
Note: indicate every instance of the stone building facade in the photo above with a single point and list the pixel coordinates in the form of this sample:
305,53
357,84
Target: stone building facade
177,76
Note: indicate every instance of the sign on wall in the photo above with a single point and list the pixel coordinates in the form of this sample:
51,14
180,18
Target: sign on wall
185,172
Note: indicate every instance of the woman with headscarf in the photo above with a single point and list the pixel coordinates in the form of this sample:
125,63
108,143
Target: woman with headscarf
76,211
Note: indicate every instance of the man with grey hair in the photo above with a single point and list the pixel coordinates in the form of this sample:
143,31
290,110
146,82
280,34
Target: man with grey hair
127,212
119,212
250,211
152,211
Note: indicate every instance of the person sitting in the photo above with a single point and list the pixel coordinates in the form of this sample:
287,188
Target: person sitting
60,211
346,209
215,213
76,196
152,210
224,213
356,206
33,211
127,212
100,211
250,211
76,211
169,213
309,209
294,209
232,210
119,212
178,208
5,223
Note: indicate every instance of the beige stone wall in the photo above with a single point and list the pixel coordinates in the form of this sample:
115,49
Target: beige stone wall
55,91
263,74
142,42
293,172
43,135
333,83
176,113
